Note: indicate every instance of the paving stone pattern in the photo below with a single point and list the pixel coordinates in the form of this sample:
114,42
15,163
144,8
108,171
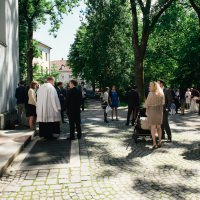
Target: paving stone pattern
110,171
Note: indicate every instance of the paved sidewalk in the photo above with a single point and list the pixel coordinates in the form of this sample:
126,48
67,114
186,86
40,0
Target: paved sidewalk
108,170
11,143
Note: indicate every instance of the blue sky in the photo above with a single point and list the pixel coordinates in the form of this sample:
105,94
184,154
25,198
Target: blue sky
65,35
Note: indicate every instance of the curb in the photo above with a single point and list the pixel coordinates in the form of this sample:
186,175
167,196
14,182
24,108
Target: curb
12,157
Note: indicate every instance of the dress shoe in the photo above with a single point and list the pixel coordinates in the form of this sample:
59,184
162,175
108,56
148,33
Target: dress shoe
79,136
106,121
169,140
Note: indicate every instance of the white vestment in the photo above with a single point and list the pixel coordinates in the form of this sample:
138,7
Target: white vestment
48,105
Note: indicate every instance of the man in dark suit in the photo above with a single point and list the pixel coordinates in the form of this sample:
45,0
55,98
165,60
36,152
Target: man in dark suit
73,105
133,104
168,100
61,96
20,95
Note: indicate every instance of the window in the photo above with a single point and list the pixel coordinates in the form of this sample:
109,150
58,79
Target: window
3,23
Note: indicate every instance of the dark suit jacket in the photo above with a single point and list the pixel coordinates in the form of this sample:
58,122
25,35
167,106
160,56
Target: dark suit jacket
73,101
133,99
168,98
20,95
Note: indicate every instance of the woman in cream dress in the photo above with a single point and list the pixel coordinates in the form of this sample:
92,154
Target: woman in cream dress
188,98
154,109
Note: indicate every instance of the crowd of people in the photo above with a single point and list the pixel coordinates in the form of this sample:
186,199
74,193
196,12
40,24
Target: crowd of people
46,104
159,103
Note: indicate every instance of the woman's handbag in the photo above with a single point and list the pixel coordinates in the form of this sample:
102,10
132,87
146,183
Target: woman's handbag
104,104
108,109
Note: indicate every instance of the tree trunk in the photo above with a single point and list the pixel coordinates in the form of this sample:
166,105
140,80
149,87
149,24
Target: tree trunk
29,54
196,8
139,77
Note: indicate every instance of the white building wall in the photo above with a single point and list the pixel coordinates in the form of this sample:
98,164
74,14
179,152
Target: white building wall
9,63
44,60
64,77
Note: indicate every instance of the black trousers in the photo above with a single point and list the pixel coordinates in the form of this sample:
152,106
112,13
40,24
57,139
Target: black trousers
165,126
83,104
47,129
75,121
131,110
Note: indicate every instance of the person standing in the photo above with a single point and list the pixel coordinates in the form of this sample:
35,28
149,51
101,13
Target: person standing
188,98
61,96
83,90
133,104
168,100
177,100
105,103
73,106
194,107
154,109
20,95
32,104
182,100
114,98
48,110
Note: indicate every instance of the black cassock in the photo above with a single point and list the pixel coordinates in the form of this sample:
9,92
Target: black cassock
47,129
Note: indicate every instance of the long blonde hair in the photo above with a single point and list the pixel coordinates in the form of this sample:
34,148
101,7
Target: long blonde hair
158,89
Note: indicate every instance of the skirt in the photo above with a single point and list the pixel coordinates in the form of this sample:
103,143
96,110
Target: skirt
47,129
31,110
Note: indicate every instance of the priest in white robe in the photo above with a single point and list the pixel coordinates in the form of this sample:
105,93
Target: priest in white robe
48,110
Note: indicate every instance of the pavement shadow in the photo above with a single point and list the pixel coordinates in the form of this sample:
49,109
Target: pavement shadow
48,152
97,133
192,154
149,188
186,173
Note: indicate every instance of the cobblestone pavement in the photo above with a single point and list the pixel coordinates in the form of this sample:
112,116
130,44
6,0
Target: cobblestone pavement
110,171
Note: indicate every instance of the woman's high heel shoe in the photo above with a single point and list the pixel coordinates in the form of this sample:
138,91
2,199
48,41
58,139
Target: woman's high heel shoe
159,145
154,147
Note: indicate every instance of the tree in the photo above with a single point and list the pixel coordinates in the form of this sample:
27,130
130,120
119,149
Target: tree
173,49
196,6
102,51
41,76
34,12
144,19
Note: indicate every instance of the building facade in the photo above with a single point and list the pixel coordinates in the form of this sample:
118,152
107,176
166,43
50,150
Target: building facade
43,61
9,60
65,73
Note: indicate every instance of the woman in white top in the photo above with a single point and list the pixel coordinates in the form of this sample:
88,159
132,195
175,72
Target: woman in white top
188,98
32,104
105,102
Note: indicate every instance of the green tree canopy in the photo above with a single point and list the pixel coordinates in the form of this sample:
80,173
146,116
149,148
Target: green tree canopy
32,13
102,51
